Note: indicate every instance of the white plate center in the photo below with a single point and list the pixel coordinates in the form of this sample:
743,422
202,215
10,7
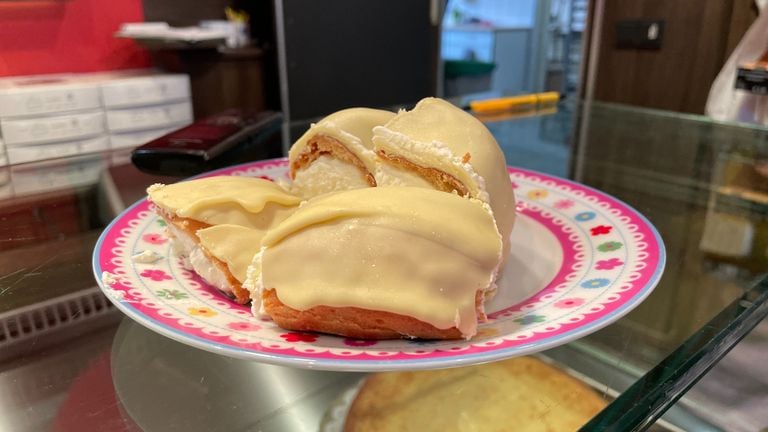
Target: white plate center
535,258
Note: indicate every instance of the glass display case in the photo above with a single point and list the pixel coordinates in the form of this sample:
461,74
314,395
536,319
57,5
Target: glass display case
70,361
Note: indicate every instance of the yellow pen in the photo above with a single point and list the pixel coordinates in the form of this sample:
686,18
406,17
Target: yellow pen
513,102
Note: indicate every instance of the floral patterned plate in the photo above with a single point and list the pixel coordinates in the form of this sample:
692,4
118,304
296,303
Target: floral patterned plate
580,260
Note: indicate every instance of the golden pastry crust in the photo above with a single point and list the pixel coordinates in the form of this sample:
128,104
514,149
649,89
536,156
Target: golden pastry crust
522,394
191,226
322,144
440,180
354,322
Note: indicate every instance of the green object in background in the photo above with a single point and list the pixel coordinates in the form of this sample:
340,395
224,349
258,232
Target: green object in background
462,68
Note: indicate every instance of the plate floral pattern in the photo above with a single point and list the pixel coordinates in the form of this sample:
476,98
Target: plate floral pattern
607,256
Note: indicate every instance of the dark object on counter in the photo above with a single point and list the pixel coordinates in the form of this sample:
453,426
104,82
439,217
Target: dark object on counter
217,141
753,78
640,34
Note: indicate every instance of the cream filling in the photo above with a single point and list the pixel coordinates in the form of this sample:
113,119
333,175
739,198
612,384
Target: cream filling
391,175
254,284
185,247
351,141
434,155
327,174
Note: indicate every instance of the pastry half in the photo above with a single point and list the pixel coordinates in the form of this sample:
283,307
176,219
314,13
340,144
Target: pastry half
439,145
217,223
379,263
336,153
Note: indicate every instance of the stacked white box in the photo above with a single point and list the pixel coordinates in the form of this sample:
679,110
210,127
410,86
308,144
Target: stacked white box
150,117
141,108
145,90
51,129
50,116
44,117
31,153
54,175
46,94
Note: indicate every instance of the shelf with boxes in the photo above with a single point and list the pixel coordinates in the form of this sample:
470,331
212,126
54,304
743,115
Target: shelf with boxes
140,109
44,117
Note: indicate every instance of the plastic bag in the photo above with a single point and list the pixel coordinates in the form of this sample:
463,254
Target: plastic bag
727,103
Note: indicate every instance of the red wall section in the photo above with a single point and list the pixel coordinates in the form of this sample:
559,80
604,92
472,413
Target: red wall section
53,36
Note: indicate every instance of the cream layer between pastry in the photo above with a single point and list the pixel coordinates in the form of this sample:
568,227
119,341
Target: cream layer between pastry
344,136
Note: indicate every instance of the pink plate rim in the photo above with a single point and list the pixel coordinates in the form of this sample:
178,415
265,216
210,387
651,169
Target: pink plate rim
636,285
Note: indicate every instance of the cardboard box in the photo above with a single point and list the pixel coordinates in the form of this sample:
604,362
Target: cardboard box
149,117
18,155
135,139
46,94
92,145
56,175
145,90
39,130
6,190
39,152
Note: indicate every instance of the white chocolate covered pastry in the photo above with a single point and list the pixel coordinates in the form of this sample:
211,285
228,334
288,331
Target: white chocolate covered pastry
336,153
440,145
217,224
379,263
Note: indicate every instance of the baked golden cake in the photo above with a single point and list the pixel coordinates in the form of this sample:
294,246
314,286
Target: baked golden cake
521,394
379,263
217,224
336,153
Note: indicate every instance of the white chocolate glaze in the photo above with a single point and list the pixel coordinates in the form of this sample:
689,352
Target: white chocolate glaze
411,251
232,244
391,175
352,127
245,201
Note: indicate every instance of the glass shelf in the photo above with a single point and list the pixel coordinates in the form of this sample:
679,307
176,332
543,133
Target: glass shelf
68,356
